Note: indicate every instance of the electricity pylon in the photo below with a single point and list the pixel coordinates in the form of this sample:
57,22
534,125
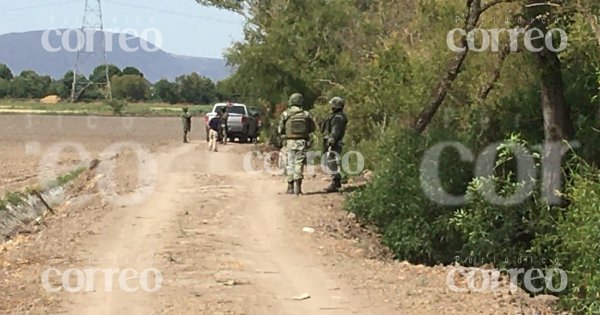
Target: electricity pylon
92,24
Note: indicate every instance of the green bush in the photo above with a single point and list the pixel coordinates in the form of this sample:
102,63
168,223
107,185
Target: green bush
117,106
413,226
579,232
504,232
130,87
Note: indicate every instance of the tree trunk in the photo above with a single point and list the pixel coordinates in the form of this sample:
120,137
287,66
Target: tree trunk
558,126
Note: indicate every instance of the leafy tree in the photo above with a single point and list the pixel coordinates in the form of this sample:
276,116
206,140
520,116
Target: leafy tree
132,71
130,87
67,84
391,62
30,85
166,91
91,92
57,88
195,89
5,72
99,73
227,90
4,88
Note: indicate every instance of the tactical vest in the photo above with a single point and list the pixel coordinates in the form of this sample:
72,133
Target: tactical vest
224,119
326,127
297,126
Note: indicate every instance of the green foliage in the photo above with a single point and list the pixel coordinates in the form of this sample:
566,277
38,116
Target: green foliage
413,226
4,88
386,59
67,84
99,73
116,106
132,71
579,236
504,232
130,87
14,198
195,89
227,90
5,72
30,85
18,198
166,91
67,178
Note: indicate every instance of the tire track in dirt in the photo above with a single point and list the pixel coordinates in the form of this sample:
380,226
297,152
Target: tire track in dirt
219,237
227,242
129,240
239,254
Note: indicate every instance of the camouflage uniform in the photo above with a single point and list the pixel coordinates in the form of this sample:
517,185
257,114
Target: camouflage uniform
223,129
334,129
296,144
186,121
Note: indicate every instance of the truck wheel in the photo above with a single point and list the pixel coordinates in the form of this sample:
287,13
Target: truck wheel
244,137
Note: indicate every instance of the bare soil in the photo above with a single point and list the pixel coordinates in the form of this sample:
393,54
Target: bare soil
36,148
224,240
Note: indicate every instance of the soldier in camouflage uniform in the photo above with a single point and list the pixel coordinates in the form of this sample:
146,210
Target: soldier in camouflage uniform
186,121
295,127
223,130
334,129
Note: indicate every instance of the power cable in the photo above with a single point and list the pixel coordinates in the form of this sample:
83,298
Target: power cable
40,6
137,6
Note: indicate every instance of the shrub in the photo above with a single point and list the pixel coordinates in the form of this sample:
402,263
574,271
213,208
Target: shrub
579,232
504,232
413,226
117,106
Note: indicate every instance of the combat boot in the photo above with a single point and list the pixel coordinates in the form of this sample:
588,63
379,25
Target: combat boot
335,186
290,188
298,187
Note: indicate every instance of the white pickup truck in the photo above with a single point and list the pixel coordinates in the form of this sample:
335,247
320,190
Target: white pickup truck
240,124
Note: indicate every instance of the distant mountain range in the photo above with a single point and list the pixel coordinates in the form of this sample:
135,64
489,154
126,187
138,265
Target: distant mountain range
47,55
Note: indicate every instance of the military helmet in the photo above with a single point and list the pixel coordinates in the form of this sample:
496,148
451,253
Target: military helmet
337,103
296,99
185,109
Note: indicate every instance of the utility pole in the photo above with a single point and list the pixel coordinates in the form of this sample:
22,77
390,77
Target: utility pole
92,26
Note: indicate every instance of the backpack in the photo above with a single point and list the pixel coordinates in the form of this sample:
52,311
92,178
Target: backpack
297,127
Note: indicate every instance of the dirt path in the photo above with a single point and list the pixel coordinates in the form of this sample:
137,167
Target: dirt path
224,241
264,264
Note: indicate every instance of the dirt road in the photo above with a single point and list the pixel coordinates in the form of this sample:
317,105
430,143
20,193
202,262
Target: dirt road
245,257
211,238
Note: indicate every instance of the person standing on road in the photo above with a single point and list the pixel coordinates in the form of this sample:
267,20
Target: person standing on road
334,129
295,127
186,121
223,130
213,133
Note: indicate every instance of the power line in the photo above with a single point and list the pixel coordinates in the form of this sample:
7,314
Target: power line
205,17
41,6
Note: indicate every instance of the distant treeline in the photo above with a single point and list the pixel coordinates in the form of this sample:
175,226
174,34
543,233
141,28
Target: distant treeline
126,84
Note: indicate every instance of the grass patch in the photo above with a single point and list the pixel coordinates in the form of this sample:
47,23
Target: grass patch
18,198
12,198
15,198
66,178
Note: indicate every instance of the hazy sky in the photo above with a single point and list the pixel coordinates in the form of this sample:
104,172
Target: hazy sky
186,28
